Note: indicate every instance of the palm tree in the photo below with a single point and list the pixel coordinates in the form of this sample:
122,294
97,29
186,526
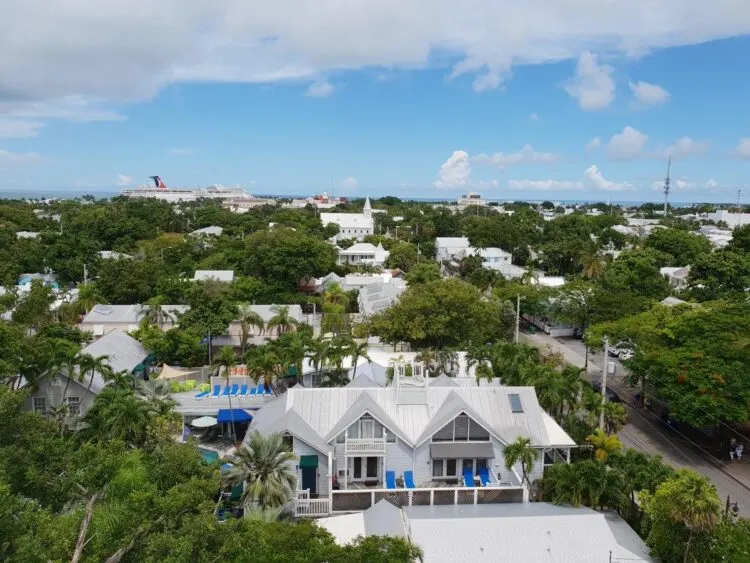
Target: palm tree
263,466
153,390
592,262
521,451
88,298
592,402
514,363
615,417
318,353
357,351
556,390
604,445
334,307
249,319
153,312
227,360
564,484
265,365
480,357
693,502
428,357
282,321
93,365
447,362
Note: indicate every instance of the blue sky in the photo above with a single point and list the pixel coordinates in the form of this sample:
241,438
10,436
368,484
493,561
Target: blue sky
560,99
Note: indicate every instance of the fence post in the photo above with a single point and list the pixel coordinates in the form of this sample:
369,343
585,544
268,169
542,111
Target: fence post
410,494
432,497
455,496
476,492
372,498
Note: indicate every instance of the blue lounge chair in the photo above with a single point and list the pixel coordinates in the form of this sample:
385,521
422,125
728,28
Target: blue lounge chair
202,394
259,389
468,478
243,391
390,479
484,476
217,391
409,480
226,391
269,391
253,391
234,390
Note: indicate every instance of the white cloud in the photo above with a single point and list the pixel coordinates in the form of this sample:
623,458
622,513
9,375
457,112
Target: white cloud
489,184
320,90
593,144
349,183
544,185
743,149
648,94
123,180
180,151
626,145
455,171
254,41
7,157
593,178
526,154
19,128
534,117
683,148
592,85
70,108
712,184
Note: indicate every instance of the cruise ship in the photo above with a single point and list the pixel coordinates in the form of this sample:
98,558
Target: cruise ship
159,190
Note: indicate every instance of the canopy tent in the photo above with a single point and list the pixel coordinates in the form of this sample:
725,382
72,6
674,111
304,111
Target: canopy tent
172,373
204,422
236,415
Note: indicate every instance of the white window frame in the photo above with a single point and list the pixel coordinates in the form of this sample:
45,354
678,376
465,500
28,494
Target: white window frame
74,405
35,405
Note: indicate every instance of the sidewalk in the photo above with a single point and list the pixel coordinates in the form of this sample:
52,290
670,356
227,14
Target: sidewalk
738,470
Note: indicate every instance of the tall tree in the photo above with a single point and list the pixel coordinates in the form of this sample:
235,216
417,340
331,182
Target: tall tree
225,361
263,466
282,321
521,451
249,319
603,445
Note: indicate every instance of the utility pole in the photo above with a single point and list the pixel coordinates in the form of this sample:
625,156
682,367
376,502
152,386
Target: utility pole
604,382
85,274
209,346
518,314
667,183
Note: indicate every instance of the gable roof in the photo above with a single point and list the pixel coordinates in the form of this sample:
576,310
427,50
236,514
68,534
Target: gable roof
451,242
219,275
328,411
212,230
124,351
131,314
347,220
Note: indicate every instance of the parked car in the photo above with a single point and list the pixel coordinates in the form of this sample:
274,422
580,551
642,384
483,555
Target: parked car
578,332
612,395
623,350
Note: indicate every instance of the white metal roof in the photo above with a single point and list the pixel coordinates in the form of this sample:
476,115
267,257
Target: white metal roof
451,242
123,351
325,409
557,436
213,230
131,314
516,532
347,220
381,519
219,275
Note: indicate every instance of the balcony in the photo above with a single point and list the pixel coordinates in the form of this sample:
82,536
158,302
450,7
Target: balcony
364,446
305,506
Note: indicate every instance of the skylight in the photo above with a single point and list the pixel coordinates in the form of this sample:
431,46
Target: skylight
515,402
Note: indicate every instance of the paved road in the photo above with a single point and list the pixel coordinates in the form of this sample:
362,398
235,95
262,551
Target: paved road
646,433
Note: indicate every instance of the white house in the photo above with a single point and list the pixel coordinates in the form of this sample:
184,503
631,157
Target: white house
377,297
123,352
226,276
494,258
363,253
677,276
351,225
113,255
471,198
103,319
212,231
451,248
416,443
730,218
27,234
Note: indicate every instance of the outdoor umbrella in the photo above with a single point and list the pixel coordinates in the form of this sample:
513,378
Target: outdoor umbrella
203,422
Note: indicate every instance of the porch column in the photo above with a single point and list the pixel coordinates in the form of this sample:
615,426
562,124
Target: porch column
568,455
525,494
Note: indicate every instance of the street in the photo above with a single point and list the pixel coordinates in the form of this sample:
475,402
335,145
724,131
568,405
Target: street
646,433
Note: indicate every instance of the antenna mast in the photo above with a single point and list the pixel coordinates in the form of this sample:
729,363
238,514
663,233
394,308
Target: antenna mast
667,186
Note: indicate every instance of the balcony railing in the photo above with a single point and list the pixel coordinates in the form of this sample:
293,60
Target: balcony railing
304,506
356,500
364,446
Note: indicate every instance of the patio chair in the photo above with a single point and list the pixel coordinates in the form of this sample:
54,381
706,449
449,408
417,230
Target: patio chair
259,389
484,476
243,391
468,477
202,394
409,480
253,391
390,479
217,391
226,391
234,390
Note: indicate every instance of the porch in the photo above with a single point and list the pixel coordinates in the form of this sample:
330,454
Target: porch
355,500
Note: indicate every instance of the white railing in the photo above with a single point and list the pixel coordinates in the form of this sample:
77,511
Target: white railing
364,446
313,507
358,499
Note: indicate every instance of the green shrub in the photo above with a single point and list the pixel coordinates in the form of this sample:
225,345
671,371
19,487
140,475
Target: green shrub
189,385
174,386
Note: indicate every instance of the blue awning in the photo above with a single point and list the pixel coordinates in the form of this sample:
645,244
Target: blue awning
238,415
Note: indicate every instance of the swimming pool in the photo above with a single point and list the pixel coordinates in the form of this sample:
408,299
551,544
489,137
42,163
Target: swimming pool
209,456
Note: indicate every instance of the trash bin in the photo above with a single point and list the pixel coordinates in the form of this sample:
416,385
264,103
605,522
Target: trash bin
532,329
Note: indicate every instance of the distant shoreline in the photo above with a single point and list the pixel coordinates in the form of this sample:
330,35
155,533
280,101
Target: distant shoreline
38,194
